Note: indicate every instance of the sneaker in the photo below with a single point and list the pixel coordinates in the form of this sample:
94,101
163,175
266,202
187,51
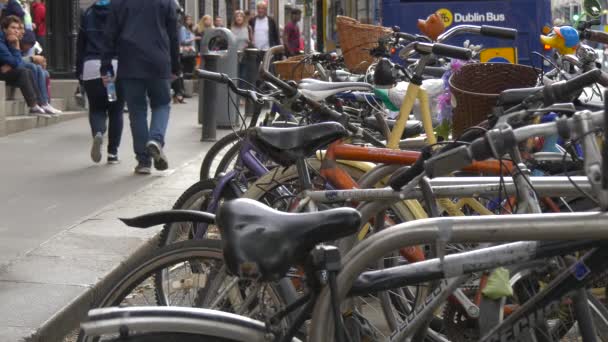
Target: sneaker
51,110
113,159
142,169
156,151
96,148
37,110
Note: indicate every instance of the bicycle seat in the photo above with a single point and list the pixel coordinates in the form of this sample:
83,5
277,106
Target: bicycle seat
263,243
320,90
413,128
286,145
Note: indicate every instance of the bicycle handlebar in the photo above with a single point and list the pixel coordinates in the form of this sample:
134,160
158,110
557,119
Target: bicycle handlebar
437,49
485,30
267,76
225,79
595,36
496,143
498,32
563,90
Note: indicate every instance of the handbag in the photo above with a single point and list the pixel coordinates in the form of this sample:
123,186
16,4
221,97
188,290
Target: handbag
188,52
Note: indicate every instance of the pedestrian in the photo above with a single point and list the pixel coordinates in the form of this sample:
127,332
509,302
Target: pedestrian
265,29
188,41
39,18
147,61
241,30
291,34
104,116
12,70
205,23
243,36
187,52
218,21
37,65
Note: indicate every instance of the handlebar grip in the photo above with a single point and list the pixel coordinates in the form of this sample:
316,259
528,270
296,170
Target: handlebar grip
451,51
561,91
498,32
405,175
213,76
596,36
448,162
405,36
480,149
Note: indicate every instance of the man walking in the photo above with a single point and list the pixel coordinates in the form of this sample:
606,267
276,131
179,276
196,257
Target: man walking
144,35
265,30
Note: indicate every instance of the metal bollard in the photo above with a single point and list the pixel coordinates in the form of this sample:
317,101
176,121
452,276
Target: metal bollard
215,109
208,121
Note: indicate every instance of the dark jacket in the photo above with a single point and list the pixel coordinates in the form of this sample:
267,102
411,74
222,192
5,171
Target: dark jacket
144,35
8,54
91,35
273,31
13,8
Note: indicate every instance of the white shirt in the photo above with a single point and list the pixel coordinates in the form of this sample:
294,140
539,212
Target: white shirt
260,34
90,69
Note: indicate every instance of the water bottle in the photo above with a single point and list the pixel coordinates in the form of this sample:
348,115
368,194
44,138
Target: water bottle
111,88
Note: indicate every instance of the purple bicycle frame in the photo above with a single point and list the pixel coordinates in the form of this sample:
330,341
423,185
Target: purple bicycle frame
248,160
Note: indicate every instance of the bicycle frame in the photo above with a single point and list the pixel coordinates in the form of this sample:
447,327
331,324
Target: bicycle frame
509,228
247,160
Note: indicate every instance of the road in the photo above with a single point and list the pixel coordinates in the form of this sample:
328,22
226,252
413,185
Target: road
48,181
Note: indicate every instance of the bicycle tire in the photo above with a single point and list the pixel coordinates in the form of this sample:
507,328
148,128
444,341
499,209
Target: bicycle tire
213,152
150,264
190,199
229,157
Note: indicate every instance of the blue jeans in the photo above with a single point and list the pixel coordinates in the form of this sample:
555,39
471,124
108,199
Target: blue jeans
137,93
39,81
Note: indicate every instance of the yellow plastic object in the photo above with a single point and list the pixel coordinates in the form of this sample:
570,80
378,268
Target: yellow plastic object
558,43
498,284
499,55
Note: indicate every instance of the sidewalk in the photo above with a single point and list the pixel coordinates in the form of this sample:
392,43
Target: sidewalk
44,290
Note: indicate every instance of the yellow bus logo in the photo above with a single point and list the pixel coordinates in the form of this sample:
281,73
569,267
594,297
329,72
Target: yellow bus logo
446,16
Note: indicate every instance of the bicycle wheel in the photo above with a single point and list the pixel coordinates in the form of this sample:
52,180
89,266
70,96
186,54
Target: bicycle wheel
562,324
192,267
195,197
229,160
216,152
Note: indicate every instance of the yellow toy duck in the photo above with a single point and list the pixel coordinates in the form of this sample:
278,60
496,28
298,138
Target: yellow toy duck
565,39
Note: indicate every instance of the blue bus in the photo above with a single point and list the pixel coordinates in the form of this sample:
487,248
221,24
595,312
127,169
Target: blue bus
527,16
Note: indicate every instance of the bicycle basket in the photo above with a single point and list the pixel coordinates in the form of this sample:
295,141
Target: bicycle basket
293,69
476,87
356,40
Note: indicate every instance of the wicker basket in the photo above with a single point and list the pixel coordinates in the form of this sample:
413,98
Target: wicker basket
356,40
476,87
293,69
